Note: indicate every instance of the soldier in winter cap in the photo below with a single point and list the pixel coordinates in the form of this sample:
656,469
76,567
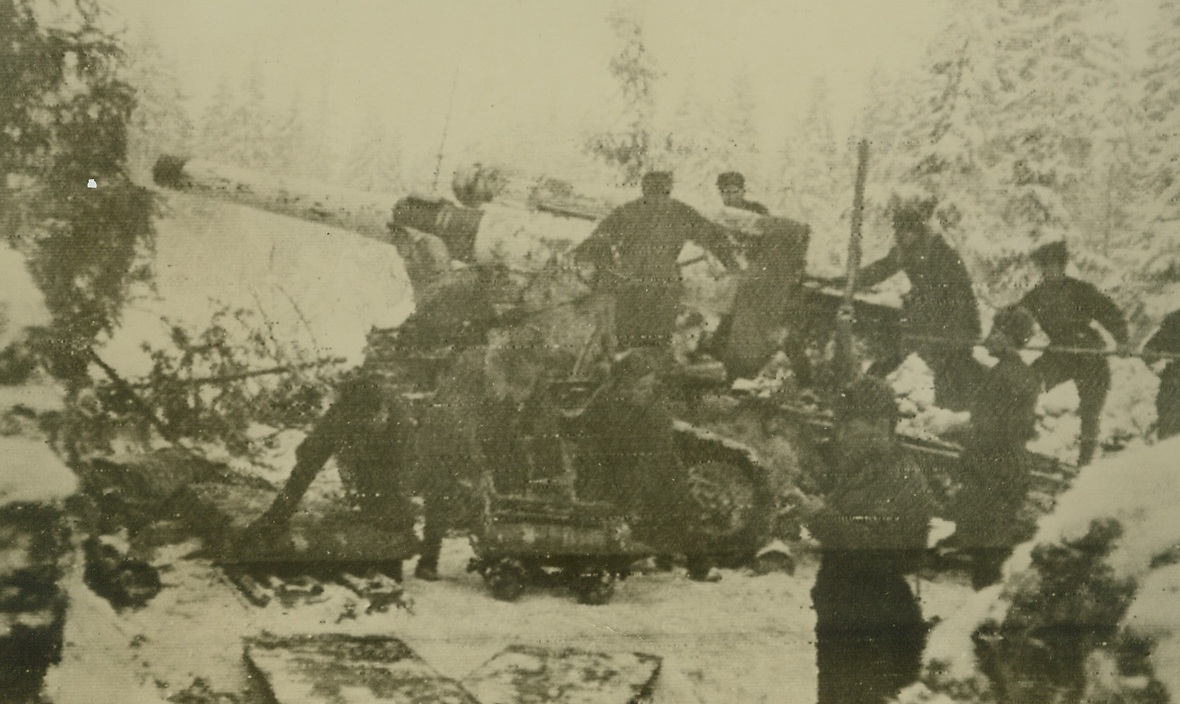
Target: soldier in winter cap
732,186
1065,308
1051,254
872,530
995,469
941,316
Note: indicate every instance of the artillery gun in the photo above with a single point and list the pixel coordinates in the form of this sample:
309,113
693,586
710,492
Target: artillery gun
746,457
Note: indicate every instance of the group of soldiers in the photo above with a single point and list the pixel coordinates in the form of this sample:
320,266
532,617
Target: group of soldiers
873,518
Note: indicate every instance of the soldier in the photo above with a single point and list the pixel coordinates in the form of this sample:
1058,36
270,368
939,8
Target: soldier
369,428
366,429
425,256
1065,308
635,251
941,319
995,463
1166,340
872,529
732,186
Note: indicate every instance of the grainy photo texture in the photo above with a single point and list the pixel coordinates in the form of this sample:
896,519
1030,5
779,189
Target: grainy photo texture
516,351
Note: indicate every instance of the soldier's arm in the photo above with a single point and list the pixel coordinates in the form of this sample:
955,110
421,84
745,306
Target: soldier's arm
885,267
713,238
1167,338
597,248
437,253
1031,303
1107,314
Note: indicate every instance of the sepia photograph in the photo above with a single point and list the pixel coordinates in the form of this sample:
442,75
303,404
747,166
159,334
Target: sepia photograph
572,352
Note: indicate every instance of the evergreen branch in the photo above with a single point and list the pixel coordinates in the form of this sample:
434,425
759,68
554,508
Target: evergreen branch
250,374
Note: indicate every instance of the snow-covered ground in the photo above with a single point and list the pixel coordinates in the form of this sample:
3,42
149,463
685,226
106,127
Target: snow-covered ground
1140,489
745,639
748,638
316,286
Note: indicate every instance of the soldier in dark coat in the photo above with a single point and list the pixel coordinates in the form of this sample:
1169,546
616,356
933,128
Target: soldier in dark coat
366,429
635,250
995,464
1166,340
370,428
1065,308
872,530
941,318
732,187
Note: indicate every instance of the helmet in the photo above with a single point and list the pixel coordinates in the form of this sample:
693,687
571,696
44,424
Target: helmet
731,179
1051,253
656,183
1016,323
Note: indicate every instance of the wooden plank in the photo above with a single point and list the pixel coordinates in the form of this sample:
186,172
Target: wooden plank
322,530
342,669
523,674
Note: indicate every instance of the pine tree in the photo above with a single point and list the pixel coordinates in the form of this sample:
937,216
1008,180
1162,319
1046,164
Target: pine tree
159,124
1161,148
64,188
289,138
216,136
374,162
742,135
1021,130
815,185
630,146
252,123
694,142
1064,75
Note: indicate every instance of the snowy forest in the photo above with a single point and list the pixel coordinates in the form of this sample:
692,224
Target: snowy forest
1030,121
166,354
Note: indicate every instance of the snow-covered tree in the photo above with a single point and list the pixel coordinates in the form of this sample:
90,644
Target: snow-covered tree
159,124
1023,128
252,123
65,195
1065,73
628,146
815,180
1161,152
238,126
374,162
215,139
289,137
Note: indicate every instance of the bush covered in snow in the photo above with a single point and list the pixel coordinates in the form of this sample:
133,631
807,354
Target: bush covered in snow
1086,611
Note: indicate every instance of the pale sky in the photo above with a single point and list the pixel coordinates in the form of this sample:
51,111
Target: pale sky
529,76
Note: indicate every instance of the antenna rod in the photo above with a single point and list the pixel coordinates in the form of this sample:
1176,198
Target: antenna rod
446,126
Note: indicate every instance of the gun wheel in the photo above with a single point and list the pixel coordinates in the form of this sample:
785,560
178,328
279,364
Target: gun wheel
595,588
506,579
726,497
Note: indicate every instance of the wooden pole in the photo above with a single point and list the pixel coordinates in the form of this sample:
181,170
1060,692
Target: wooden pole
846,362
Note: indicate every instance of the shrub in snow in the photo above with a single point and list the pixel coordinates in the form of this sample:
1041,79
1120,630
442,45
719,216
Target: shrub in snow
1086,612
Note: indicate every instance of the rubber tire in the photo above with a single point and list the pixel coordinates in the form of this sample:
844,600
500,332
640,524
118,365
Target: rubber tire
506,579
726,496
596,588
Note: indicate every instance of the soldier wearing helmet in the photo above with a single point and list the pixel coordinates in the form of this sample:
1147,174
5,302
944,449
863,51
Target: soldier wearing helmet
872,529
